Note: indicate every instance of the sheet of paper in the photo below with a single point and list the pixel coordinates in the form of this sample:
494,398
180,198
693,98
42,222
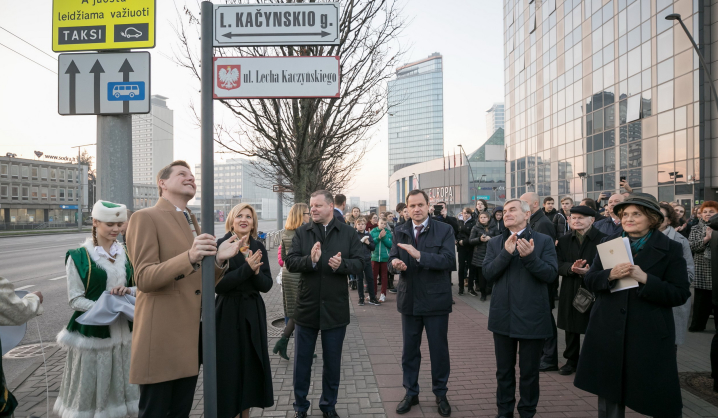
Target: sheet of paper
613,253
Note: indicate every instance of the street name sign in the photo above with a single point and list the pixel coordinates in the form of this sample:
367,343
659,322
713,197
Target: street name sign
276,77
276,24
103,84
93,25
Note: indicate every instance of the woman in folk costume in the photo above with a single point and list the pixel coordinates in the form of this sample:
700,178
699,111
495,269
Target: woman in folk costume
95,383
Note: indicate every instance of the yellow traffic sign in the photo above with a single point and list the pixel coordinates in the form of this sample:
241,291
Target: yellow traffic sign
93,25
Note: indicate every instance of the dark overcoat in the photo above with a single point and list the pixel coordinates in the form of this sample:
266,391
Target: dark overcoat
323,296
477,231
424,289
628,355
568,250
244,374
713,224
519,300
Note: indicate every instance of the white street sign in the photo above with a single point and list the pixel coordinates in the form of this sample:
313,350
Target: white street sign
276,24
103,83
276,77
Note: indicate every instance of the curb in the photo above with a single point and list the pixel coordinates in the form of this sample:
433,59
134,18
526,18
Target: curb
31,369
43,234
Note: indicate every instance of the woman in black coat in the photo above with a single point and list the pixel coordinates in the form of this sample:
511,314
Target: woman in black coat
244,377
629,356
464,250
481,233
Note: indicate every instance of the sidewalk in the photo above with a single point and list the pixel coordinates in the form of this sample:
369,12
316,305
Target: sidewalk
371,382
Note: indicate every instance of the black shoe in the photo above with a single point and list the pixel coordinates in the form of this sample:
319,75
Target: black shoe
300,414
566,370
472,292
444,407
453,302
504,416
330,414
548,368
373,301
483,298
406,404
461,292
361,301
392,290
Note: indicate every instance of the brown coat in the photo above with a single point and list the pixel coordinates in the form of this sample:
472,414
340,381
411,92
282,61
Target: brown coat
165,343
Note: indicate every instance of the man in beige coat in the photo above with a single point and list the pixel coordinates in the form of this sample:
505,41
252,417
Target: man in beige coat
166,248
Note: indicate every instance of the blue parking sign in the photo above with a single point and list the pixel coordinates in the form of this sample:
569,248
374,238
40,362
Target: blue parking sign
126,91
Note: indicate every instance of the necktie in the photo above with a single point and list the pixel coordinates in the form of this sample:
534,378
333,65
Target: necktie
191,225
418,231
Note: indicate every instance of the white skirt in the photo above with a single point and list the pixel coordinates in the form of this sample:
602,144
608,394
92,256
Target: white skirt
96,379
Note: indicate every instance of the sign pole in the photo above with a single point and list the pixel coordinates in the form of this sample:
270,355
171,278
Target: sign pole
280,210
209,341
114,160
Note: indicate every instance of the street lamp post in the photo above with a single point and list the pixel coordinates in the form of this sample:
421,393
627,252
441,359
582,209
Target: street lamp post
676,16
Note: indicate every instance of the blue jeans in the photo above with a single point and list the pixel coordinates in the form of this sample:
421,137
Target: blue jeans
367,276
305,340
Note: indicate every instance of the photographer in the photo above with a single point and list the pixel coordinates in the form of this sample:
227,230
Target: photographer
441,214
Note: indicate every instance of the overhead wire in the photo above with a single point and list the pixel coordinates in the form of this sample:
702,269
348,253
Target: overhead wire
53,57
29,59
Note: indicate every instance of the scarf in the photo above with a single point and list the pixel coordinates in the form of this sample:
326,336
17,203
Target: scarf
638,244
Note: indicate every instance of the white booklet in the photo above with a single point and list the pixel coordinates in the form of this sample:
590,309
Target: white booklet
613,253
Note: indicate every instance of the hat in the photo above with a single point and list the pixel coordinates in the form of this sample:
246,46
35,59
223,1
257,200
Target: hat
583,210
640,199
498,209
109,212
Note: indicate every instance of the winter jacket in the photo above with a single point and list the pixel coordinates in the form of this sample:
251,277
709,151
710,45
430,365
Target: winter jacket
550,215
540,223
339,216
713,223
560,224
608,227
629,355
683,312
382,245
520,297
368,248
702,256
424,288
464,234
480,246
323,297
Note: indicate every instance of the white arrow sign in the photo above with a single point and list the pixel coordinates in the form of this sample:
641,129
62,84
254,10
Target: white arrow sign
276,24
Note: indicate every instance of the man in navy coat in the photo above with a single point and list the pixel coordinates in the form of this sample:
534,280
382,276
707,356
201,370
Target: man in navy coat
521,263
424,255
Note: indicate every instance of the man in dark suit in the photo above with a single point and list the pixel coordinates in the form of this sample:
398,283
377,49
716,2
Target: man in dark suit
424,255
340,204
540,223
324,251
521,263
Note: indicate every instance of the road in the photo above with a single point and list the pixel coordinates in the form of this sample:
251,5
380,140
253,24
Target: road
35,263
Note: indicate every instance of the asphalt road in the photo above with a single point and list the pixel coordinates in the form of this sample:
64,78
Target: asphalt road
37,263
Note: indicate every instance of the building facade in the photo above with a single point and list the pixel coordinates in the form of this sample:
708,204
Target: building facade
597,91
145,195
34,192
152,141
416,113
235,181
494,118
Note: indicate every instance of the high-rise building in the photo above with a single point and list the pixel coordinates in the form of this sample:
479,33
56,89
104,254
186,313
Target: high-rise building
494,119
597,91
416,113
234,182
152,141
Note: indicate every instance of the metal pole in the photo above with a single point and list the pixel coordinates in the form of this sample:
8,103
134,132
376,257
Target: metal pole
703,63
280,212
79,192
114,159
209,342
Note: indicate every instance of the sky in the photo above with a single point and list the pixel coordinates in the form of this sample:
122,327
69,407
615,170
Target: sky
467,33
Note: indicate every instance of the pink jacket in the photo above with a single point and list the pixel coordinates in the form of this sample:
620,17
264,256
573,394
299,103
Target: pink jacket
279,256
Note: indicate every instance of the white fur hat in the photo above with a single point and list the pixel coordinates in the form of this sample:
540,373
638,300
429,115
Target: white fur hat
109,212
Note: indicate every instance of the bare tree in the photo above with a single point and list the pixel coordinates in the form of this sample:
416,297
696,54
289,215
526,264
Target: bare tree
311,144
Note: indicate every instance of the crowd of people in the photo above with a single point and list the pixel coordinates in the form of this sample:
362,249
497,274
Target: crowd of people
527,256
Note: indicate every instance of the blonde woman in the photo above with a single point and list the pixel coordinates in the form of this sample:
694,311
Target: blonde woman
96,378
243,370
298,216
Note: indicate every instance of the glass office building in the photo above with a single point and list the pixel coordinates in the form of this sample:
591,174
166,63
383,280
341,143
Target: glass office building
416,113
599,90
494,119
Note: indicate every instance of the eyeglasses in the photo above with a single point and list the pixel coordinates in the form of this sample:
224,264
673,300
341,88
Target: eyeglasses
307,213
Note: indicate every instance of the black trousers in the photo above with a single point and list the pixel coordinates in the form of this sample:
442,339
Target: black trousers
437,334
465,254
714,357
573,348
550,348
529,358
473,276
172,399
305,340
703,307
481,283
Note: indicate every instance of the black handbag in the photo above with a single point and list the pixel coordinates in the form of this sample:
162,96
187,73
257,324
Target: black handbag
583,300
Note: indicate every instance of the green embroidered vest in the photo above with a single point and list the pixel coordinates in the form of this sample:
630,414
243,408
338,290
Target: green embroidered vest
94,279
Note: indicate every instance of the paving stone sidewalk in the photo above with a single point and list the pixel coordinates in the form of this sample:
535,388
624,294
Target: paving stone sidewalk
371,381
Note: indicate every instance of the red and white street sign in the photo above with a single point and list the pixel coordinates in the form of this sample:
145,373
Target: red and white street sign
276,77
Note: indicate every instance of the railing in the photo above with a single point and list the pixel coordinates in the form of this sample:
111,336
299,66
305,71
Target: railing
40,226
273,239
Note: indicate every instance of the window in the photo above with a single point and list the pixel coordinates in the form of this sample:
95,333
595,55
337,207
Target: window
25,172
15,192
43,171
34,193
61,175
3,170
53,193
15,171
25,193
3,191
34,173
53,174
62,195
70,194
43,192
